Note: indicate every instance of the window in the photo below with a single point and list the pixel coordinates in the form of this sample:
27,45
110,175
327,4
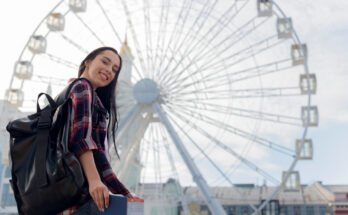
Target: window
272,208
310,210
297,210
283,210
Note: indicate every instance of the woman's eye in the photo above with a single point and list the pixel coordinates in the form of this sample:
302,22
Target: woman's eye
104,62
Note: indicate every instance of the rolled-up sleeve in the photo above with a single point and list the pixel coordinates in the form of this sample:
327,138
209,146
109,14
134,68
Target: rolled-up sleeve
108,175
80,137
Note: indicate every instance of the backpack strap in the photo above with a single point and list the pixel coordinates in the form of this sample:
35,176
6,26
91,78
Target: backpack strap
44,126
64,96
42,139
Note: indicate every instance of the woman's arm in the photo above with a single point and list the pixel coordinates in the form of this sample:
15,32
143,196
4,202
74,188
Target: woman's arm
109,177
99,192
81,142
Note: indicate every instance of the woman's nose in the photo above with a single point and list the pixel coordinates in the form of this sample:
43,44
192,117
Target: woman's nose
109,69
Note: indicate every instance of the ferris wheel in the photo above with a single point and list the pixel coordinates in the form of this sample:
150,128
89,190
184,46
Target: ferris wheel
211,93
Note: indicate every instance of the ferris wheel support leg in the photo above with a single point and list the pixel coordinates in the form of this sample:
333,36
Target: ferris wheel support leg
121,132
2,182
133,149
213,203
122,128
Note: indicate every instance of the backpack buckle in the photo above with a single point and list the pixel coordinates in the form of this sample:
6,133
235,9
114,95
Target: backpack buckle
44,120
44,124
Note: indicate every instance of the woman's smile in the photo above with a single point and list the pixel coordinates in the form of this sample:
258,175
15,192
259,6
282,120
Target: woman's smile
101,70
103,76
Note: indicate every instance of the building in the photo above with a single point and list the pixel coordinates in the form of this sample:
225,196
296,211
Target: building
340,196
309,200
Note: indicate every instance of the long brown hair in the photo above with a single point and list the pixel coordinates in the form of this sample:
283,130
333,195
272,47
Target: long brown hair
106,94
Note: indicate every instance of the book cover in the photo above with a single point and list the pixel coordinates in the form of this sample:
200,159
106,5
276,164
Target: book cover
121,205
117,205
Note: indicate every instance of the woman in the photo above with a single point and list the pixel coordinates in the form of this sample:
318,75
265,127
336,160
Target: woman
101,68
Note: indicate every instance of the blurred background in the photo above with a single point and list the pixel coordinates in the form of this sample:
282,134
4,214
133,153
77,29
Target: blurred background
238,86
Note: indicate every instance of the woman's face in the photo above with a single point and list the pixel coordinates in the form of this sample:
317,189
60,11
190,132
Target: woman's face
102,69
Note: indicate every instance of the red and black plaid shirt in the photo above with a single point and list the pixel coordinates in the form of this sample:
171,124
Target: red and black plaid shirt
80,137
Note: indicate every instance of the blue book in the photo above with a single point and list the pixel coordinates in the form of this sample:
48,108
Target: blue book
117,205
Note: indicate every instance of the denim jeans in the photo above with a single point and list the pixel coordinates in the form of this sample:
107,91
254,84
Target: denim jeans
89,208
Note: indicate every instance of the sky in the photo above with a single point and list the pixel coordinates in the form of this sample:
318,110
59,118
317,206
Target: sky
321,25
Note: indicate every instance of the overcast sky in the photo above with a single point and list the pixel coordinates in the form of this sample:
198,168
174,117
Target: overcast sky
322,24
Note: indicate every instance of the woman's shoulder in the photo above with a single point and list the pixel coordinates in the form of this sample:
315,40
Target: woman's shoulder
80,85
81,89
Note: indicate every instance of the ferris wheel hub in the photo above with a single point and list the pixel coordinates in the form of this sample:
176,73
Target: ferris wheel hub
145,91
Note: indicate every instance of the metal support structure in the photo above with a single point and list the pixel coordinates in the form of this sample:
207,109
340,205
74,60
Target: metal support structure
122,131
132,149
212,202
4,181
122,128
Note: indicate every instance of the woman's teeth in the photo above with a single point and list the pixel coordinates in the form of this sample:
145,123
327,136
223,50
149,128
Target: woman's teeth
104,76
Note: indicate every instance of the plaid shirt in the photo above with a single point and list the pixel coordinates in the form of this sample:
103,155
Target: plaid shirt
80,137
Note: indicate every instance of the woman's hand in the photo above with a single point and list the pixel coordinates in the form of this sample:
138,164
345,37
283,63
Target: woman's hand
97,189
99,193
132,196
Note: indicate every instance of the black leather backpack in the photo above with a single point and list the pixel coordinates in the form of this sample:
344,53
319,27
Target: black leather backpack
46,177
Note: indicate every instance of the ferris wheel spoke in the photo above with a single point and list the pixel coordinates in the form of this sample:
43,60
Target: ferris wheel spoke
148,38
119,38
241,94
252,50
175,32
161,33
236,131
151,159
49,80
220,73
237,61
158,154
225,148
199,22
245,113
155,161
208,92
126,99
206,10
62,61
146,149
73,43
223,21
235,40
134,37
252,23
93,33
235,76
253,54
108,20
172,85
210,160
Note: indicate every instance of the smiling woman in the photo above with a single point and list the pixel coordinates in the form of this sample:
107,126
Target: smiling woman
87,139
102,69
